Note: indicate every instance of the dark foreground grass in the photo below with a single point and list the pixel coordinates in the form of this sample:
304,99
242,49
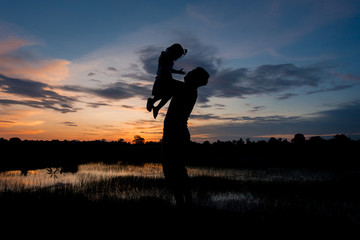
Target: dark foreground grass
140,201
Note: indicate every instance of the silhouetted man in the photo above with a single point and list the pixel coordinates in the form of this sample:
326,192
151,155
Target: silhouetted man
176,135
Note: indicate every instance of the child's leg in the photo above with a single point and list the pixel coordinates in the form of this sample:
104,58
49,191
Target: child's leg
151,101
163,101
156,98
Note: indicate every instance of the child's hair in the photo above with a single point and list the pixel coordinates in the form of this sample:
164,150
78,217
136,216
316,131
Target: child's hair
176,50
198,77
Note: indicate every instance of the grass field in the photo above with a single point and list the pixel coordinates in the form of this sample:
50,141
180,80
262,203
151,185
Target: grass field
138,193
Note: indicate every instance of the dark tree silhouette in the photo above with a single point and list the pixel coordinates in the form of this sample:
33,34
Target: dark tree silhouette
299,138
138,140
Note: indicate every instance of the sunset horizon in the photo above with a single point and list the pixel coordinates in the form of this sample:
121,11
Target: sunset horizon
83,70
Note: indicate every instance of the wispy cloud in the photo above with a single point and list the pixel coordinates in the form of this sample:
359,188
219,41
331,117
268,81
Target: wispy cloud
35,94
331,89
225,83
255,28
344,118
257,108
286,96
115,91
273,79
18,61
242,82
8,124
69,124
10,44
46,96
242,119
112,69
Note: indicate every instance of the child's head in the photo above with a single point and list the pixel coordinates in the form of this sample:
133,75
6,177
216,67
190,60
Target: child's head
176,51
197,77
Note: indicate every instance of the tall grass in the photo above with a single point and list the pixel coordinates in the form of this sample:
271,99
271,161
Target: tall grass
248,192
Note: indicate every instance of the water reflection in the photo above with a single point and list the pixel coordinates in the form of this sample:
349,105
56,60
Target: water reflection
221,188
18,180
27,179
241,190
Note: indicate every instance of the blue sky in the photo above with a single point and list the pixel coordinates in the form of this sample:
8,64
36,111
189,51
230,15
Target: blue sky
83,69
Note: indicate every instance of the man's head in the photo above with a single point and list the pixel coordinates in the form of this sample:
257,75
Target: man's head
197,77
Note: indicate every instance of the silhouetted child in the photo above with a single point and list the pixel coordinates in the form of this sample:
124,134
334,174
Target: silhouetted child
164,85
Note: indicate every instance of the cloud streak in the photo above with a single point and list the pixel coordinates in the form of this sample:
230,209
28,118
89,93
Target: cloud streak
255,28
69,124
243,119
17,61
267,79
45,96
113,91
35,94
344,119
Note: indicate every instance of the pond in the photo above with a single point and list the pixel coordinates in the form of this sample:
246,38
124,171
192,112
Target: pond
18,180
213,186
296,191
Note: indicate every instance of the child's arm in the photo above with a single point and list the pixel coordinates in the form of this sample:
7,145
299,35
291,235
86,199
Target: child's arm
178,71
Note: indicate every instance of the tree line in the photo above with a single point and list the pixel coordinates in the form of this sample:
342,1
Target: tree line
315,152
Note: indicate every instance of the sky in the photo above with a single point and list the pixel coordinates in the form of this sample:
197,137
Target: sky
82,70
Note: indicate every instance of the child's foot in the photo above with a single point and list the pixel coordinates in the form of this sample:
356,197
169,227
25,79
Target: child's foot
155,112
149,104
